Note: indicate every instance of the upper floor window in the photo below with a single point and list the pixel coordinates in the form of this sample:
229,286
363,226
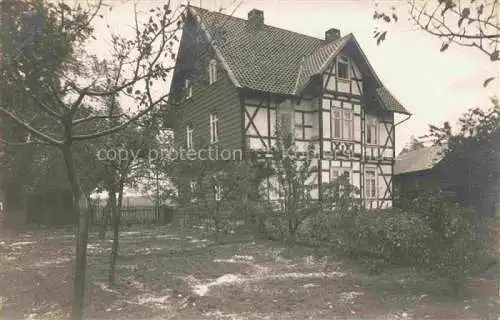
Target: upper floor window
370,184
371,130
303,125
212,71
342,124
188,86
343,67
218,192
214,128
189,137
194,189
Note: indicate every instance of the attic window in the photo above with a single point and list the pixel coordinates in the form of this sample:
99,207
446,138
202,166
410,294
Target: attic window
212,71
189,88
343,67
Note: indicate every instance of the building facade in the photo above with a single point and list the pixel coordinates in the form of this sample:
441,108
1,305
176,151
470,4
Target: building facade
236,79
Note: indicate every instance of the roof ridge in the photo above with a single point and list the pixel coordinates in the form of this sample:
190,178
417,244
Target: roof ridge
266,25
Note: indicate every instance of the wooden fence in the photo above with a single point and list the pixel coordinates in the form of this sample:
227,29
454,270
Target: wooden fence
229,212
131,215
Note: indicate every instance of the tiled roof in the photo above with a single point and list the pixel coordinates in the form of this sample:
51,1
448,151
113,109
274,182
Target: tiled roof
313,63
418,160
265,59
389,102
272,59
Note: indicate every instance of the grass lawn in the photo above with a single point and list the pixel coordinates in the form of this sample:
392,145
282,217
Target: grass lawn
165,273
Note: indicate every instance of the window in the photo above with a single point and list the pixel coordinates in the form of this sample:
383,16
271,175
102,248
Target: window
218,192
336,173
370,184
193,188
212,71
189,88
343,67
303,126
339,172
214,128
342,124
189,137
371,130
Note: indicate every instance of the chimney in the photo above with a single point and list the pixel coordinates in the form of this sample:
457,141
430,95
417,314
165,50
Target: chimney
332,35
256,17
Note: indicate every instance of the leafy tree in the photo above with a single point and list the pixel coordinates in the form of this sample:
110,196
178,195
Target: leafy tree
472,155
290,186
472,23
336,219
66,78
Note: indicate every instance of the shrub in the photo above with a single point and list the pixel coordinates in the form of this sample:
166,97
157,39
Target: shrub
457,247
433,234
393,236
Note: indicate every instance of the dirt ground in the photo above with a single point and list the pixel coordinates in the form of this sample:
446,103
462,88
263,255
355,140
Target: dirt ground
165,273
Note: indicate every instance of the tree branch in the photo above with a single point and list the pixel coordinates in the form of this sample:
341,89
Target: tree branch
20,144
121,126
28,127
33,97
92,118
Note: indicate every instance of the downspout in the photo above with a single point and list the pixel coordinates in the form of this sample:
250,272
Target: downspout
394,130
400,122
394,155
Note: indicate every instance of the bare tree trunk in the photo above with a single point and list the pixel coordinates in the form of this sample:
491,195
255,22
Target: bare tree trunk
104,223
116,235
217,220
107,211
91,209
81,237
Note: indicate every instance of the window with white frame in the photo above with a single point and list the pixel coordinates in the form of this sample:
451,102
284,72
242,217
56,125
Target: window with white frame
193,188
370,184
342,124
214,128
189,137
371,129
212,71
343,67
218,192
189,88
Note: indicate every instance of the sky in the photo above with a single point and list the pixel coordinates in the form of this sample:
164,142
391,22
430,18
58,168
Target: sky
434,86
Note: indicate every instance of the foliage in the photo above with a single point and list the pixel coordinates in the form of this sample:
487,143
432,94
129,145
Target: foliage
54,72
432,234
473,24
457,247
223,193
413,144
472,155
335,219
290,186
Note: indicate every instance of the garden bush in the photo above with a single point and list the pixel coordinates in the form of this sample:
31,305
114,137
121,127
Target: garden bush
433,234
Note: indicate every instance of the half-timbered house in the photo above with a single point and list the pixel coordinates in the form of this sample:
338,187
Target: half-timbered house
236,78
